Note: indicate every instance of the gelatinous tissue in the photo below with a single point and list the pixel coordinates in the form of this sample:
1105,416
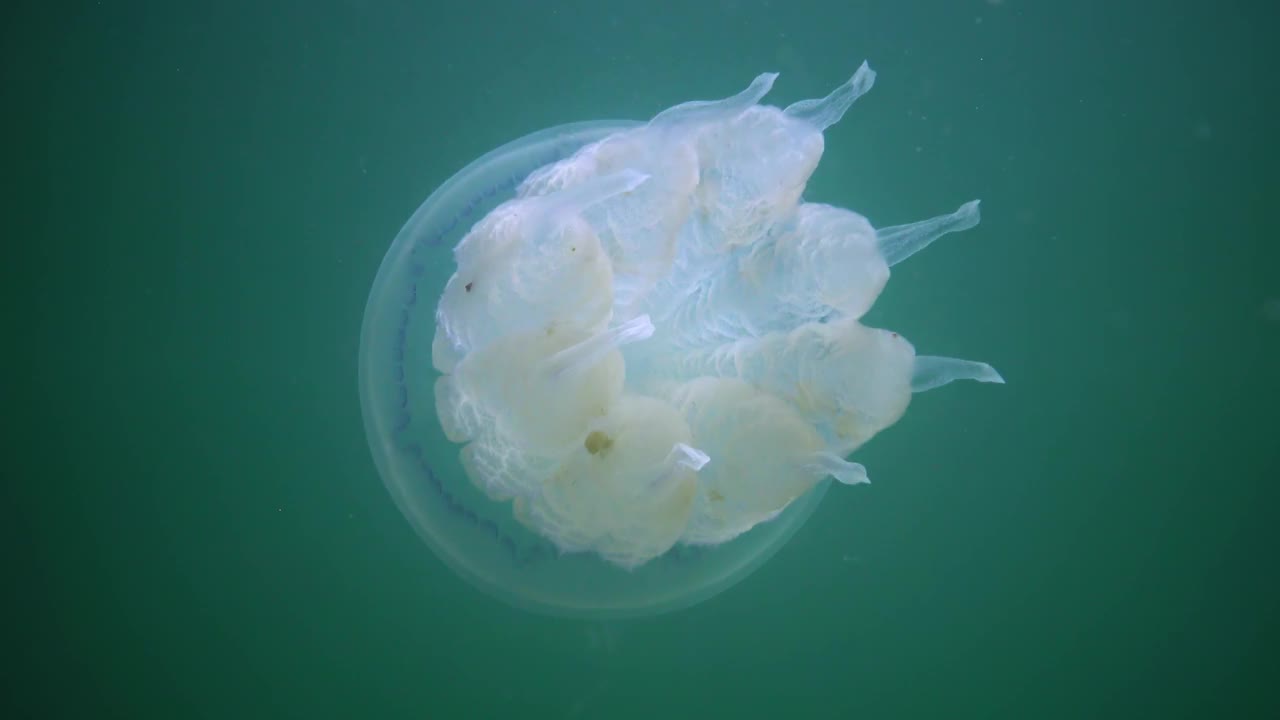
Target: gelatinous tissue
657,341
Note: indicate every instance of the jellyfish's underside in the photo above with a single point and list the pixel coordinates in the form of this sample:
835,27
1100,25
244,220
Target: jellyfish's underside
646,361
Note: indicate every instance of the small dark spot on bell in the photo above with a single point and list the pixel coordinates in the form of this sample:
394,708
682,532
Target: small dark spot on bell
467,287
597,442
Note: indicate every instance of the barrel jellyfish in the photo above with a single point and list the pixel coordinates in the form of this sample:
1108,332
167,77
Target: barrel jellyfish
647,360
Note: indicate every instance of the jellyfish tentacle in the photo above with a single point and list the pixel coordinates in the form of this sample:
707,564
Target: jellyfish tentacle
822,113
899,242
844,471
931,371
687,456
583,356
731,105
681,459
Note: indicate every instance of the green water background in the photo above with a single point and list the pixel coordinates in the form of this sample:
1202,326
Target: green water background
198,196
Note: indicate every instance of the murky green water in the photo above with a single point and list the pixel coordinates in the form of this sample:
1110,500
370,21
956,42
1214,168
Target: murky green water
200,195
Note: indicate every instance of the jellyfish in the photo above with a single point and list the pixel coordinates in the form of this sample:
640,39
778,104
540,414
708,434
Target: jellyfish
644,361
